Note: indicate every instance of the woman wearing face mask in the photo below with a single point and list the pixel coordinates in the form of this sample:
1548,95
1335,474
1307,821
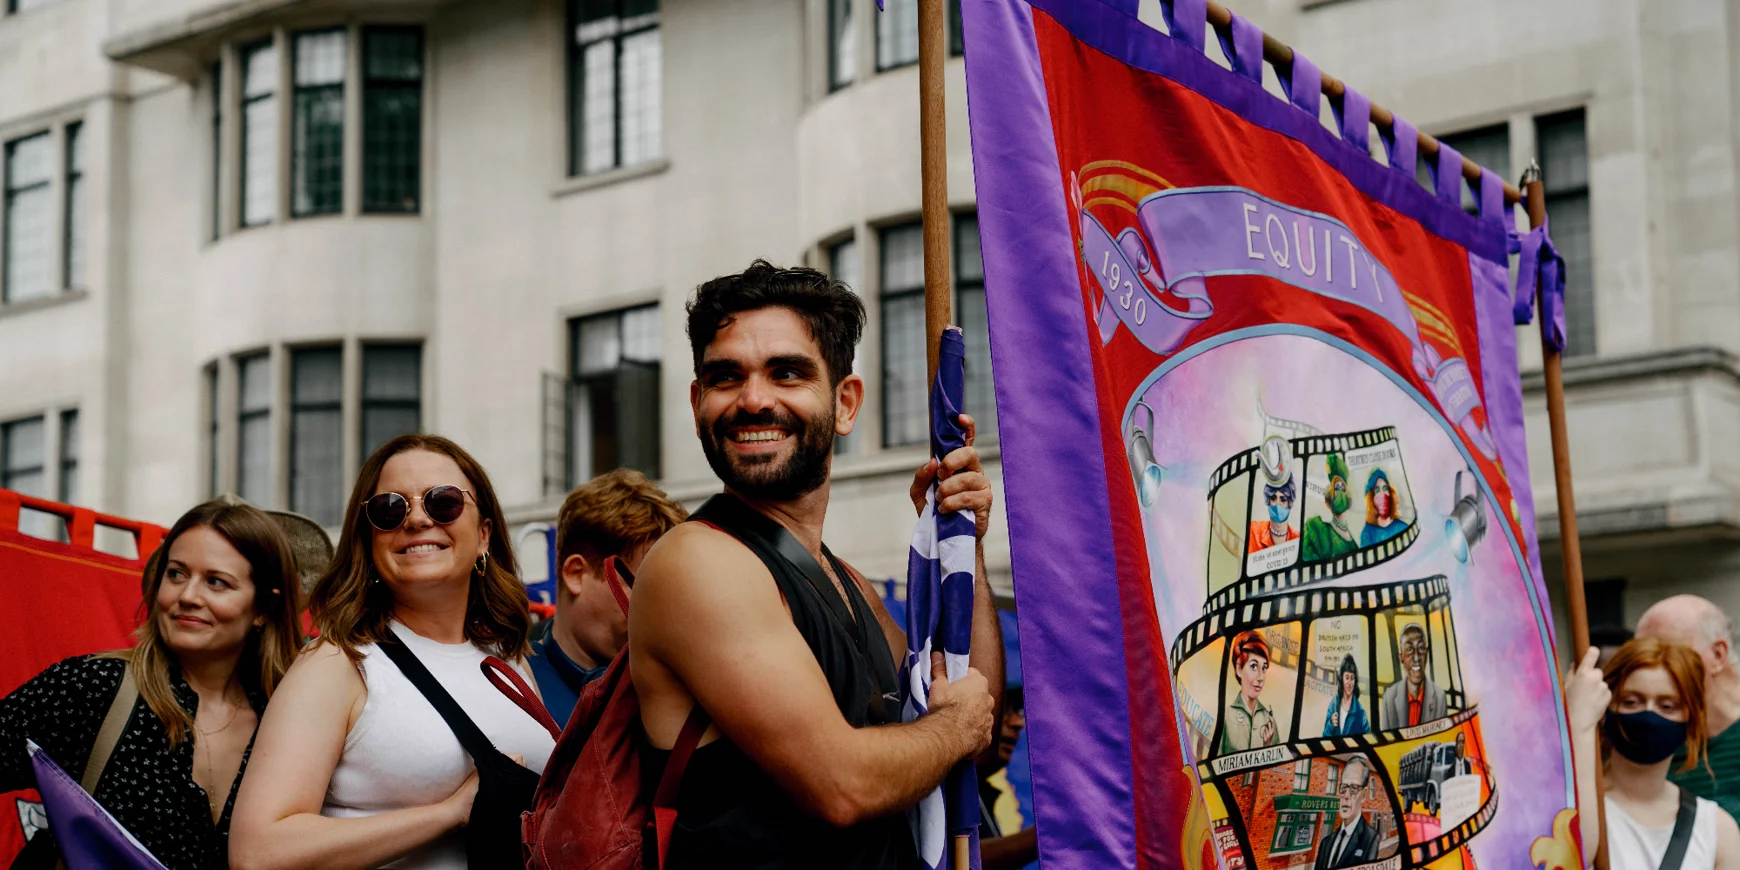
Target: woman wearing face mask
1327,539
221,629
356,767
1381,522
1346,715
1649,703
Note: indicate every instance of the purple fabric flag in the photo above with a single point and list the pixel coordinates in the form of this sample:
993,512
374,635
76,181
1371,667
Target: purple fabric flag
89,838
1540,267
939,612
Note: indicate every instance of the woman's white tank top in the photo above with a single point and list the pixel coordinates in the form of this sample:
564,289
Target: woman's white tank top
1631,846
401,753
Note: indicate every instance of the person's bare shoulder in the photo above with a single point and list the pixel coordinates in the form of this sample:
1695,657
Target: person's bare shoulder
323,675
699,582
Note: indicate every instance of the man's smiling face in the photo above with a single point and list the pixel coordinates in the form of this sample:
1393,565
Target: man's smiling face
765,406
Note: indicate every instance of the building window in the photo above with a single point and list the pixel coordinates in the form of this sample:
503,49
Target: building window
23,468
317,434
905,402
1488,147
1302,776
981,396
1564,149
213,447
897,34
842,44
317,148
17,6
28,238
74,251
254,429
957,36
614,84
1294,832
217,148
613,405
259,134
69,457
392,390
1333,780
392,119
845,267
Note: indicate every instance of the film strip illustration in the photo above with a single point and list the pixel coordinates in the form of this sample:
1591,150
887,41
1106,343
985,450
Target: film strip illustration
1297,511
1335,719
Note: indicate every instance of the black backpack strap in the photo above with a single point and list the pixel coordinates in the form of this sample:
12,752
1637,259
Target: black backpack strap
1682,836
750,526
470,736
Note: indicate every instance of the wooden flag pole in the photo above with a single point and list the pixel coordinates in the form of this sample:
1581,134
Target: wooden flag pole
934,184
1552,367
934,177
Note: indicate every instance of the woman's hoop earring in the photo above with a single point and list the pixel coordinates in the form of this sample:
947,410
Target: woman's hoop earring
482,562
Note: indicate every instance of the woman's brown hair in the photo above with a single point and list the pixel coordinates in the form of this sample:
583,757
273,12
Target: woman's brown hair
1683,667
268,650
350,608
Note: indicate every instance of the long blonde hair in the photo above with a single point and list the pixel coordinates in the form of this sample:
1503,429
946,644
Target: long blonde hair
350,609
267,651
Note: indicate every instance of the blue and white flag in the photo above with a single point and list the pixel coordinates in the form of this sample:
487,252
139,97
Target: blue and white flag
939,612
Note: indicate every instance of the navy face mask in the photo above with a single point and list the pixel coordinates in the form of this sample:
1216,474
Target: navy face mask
1645,737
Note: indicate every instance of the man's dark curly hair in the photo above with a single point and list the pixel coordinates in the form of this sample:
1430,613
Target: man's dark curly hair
833,313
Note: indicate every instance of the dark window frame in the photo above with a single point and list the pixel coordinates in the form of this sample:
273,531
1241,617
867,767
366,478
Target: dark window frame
8,194
68,450
9,473
72,218
299,406
836,83
373,85
217,149
214,444
578,380
898,64
1559,196
576,51
301,186
245,54
246,415
367,404
886,298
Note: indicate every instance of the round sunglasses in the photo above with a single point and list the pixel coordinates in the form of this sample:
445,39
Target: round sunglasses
444,504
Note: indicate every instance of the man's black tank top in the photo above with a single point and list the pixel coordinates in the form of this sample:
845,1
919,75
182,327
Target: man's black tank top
731,814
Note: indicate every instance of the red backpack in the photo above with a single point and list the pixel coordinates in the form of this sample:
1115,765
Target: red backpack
590,810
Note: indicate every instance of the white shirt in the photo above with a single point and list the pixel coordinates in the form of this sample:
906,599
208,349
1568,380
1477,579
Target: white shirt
401,753
1631,846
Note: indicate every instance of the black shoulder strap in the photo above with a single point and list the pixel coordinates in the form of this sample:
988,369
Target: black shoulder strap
1682,837
730,514
470,736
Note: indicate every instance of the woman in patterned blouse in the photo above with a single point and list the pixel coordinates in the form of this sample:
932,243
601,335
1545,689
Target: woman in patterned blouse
222,628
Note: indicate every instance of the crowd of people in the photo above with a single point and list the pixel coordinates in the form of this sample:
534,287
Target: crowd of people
225,737
380,741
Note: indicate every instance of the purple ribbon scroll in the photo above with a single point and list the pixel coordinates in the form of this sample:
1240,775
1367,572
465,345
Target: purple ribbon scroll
1153,282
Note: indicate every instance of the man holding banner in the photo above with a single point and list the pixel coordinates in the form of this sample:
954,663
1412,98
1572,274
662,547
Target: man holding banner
745,619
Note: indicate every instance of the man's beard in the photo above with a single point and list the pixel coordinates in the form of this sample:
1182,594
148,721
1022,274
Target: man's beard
765,477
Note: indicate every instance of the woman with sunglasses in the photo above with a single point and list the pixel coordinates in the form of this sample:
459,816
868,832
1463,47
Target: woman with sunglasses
1645,708
355,768
221,627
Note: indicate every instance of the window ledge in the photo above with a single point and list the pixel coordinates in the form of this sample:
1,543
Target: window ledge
66,297
580,183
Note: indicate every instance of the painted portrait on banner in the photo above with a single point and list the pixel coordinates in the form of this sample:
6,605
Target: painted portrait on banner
1303,371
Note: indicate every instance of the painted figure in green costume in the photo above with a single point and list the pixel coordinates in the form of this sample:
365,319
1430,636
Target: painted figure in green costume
1327,539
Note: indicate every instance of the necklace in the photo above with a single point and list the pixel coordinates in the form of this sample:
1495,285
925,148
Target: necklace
210,767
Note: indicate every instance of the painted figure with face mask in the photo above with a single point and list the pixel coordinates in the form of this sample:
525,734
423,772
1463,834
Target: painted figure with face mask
1273,529
1648,706
1250,724
1381,522
1327,539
